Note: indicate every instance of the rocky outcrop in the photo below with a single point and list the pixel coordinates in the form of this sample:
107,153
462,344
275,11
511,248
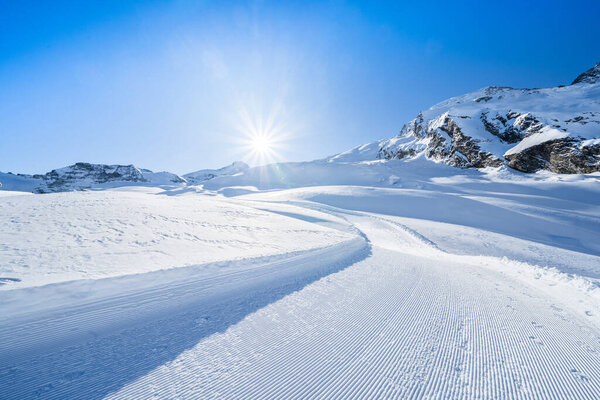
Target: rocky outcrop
554,129
89,174
511,127
442,140
592,76
563,156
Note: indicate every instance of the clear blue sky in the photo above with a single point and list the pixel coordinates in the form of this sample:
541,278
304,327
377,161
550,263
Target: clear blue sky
173,85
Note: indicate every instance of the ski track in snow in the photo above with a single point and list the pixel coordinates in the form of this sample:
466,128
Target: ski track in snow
398,318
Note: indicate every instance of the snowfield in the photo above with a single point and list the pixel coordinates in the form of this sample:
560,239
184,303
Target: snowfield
341,280
89,235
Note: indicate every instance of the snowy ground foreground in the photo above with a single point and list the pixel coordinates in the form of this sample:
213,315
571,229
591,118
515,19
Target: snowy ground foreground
441,284
89,235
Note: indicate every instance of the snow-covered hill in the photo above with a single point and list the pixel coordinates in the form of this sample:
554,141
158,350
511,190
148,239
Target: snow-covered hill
207,174
556,129
89,235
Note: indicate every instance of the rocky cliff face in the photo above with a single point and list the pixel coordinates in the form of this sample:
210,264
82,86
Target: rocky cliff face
555,129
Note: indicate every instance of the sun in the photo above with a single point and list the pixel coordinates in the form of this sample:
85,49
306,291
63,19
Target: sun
261,144
262,139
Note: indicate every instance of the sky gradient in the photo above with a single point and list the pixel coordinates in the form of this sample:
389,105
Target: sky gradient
179,85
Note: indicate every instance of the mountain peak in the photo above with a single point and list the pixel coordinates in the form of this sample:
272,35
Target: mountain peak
592,75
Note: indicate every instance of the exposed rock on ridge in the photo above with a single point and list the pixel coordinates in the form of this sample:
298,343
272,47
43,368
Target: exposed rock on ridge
80,176
592,75
555,129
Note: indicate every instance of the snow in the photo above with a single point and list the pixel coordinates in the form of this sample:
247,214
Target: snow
7,193
590,142
368,151
342,278
18,183
545,135
390,332
206,174
90,235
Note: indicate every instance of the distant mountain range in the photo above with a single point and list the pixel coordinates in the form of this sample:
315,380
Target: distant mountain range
555,129
82,176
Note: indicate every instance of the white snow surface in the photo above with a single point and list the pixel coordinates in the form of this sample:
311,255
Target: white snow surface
546,134
306,280
206,174
97,234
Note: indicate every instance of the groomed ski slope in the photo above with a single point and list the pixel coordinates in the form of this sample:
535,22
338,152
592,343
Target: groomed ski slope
403,304
395,325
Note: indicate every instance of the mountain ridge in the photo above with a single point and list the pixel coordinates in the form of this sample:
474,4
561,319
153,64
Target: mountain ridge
555,129
82,175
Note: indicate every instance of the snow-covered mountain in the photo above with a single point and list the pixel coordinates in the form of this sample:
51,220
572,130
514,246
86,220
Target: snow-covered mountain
82,175
206,174
555,129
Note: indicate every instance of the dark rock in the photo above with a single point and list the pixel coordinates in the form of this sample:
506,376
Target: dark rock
563,156
501,127
592,75
464,150
446,143
398,153
87,174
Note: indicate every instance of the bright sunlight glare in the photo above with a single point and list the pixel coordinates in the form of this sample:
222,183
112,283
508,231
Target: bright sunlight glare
263,132
261,144
263,137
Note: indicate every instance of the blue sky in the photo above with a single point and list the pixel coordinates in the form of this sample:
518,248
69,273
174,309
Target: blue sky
177,85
